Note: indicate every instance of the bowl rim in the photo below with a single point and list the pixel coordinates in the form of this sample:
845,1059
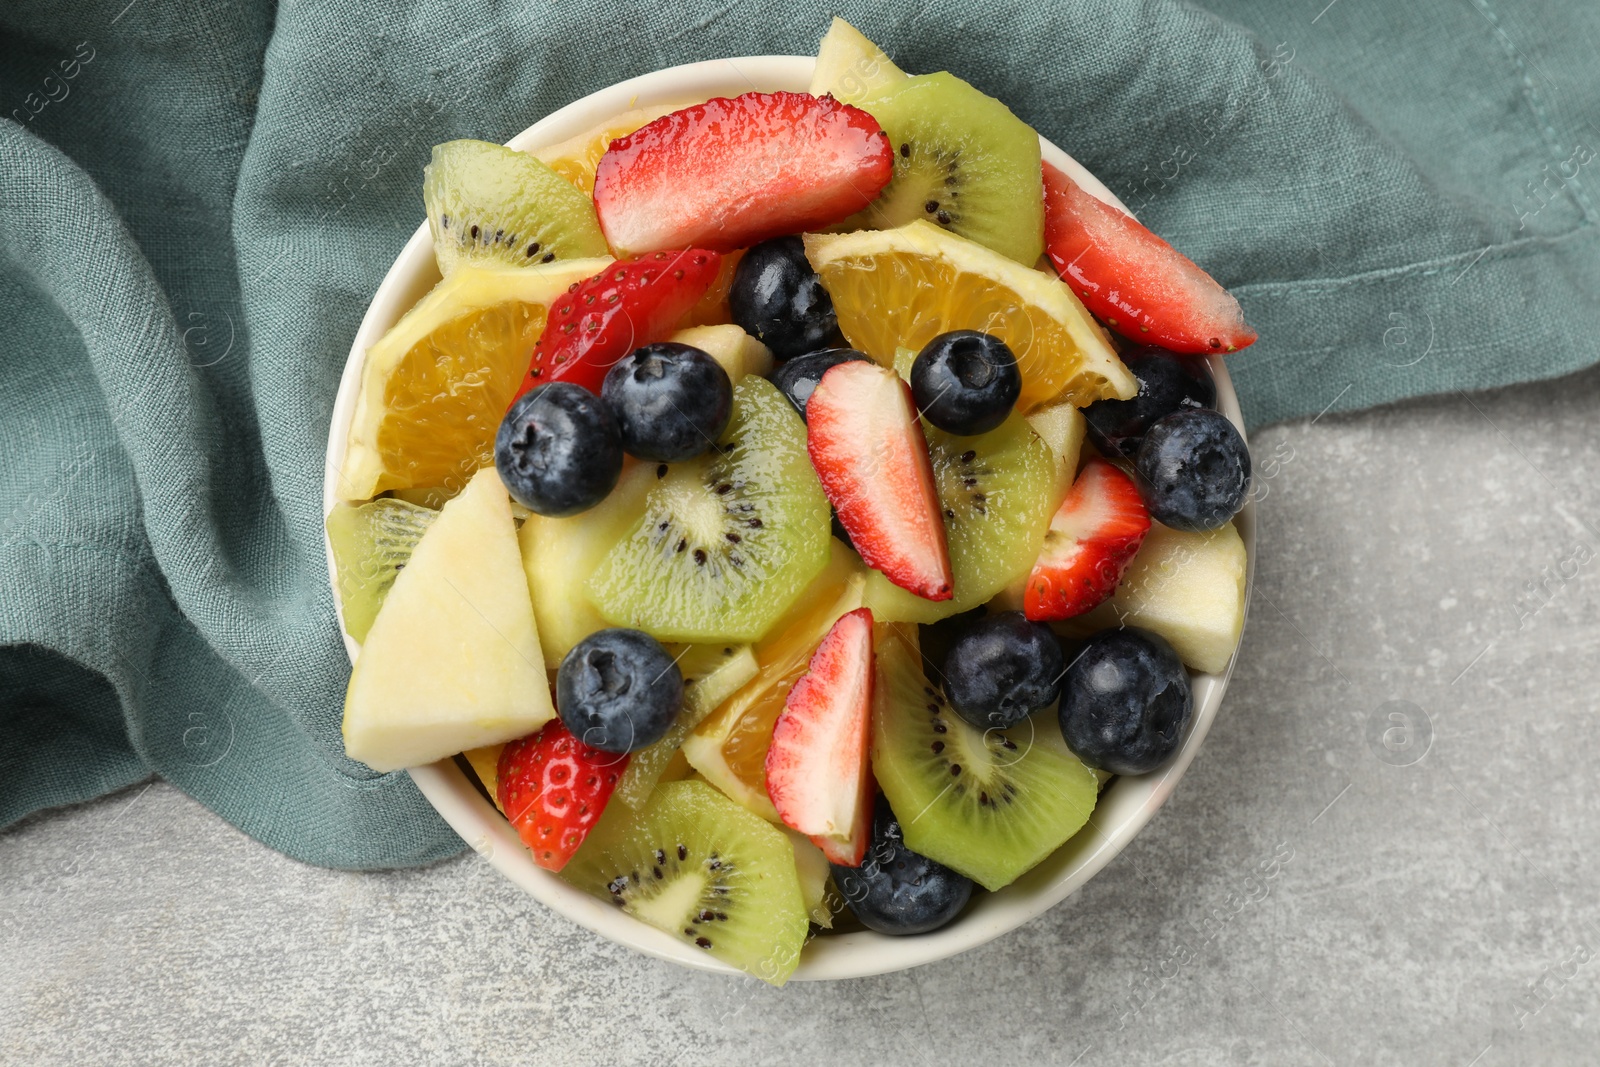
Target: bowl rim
460,802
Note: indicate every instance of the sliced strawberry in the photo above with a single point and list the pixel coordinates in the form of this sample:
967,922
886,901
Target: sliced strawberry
867,446
553,788
851,850
818,768
1092,539
628,304
730,172
1134,281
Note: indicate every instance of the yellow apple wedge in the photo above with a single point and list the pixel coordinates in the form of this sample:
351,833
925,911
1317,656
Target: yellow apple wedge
1187,587
452,661
737,352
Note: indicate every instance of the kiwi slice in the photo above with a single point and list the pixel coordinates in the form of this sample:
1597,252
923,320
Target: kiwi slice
990,804
491,204
371,543
699,867
961,160
728,540
711,674
997,491
432,497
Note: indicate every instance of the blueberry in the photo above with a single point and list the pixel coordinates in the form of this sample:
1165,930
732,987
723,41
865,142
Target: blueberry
966,382
558,450
1168,382
618,690
671,401
777,297
798,378
1194,470
937,638
1125,701
897,891
1002,669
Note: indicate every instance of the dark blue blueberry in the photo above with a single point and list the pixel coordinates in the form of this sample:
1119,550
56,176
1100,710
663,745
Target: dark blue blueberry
1002,669
937,638
671,401
1125,701
777,297
1167,382
966,382
1194,470
558,450
897,891
798,378
618,690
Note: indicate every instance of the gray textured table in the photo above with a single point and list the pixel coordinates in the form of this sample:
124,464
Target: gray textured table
1313,894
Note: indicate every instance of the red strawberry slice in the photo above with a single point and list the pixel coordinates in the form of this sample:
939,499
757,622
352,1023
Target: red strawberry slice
1134,281
851,850
730,172
818,768
1091,541
553,788
628,304
867,446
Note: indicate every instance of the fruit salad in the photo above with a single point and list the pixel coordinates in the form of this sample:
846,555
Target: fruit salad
794,508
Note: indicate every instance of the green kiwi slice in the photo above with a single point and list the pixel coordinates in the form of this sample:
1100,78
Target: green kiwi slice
371,543
699,867
961,160
489,204
727,540
990,804
997,493
711,674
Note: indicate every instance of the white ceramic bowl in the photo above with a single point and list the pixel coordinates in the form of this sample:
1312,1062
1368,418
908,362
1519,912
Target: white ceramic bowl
1125,806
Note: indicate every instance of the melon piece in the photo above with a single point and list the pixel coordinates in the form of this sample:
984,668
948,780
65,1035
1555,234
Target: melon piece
452,661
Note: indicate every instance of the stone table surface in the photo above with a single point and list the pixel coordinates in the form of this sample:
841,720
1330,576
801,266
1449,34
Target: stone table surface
1314,893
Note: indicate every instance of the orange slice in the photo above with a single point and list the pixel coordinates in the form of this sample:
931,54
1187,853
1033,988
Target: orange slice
434,388
900,288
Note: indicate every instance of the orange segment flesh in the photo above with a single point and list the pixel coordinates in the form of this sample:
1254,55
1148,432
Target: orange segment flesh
901,288
435,387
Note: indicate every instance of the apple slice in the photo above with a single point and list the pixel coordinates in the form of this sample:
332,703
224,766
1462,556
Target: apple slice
1062,427
1187,587
559,555
452,661
728,344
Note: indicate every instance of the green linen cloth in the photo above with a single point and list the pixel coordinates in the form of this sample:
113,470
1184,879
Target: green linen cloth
197,200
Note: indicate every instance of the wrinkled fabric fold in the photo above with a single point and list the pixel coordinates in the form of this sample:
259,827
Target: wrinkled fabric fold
197,202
